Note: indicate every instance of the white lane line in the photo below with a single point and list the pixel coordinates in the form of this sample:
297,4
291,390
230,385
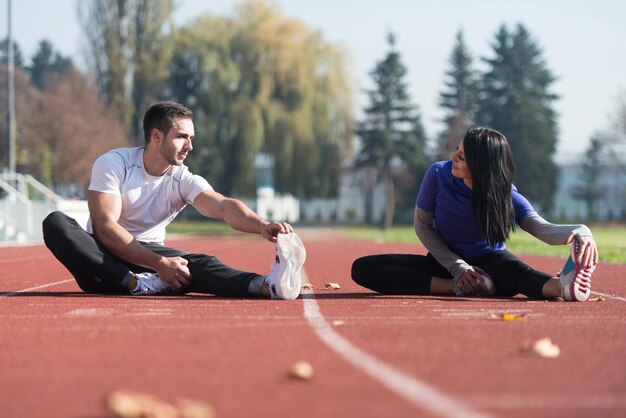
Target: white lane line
410,388
609,296
30,289
526,401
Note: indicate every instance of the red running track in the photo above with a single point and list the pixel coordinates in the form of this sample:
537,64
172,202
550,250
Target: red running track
62,351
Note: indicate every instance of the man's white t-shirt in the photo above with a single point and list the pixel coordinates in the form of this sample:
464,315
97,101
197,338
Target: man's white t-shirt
149,203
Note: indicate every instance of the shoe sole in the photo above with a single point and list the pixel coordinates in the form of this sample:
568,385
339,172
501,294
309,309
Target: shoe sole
292,254
579,288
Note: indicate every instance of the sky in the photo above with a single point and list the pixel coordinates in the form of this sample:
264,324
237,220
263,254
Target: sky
583,44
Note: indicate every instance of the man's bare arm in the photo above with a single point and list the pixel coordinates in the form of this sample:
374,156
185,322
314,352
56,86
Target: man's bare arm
237,215
105,210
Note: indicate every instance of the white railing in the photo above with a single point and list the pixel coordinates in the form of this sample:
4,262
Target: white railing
25,202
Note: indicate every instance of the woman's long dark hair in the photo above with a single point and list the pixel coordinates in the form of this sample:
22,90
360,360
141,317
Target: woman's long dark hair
490,161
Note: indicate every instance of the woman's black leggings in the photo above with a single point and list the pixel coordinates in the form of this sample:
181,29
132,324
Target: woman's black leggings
97,270
411,274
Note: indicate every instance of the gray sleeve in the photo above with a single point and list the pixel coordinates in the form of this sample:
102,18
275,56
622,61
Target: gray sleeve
423,223
550,233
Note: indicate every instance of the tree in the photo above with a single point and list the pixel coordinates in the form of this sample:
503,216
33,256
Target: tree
391,133
61,130
47,65
26,102
128,53
459,99
258,81
516,100
592,166
18,58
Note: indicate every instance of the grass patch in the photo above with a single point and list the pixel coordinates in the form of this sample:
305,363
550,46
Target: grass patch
611,240
200,227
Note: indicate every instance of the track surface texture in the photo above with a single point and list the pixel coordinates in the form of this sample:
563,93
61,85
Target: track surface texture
62,351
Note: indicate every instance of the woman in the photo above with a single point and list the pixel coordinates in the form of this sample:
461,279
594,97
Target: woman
464,213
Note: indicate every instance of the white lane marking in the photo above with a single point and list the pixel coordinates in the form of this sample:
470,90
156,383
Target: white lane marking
30,289
410,388
508,401
609,296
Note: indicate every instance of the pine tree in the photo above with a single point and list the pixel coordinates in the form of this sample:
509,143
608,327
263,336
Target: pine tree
47,65
18,58
391,133
517,101
590,189
459,99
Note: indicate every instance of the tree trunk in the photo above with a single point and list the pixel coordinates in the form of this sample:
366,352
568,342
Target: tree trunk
390,204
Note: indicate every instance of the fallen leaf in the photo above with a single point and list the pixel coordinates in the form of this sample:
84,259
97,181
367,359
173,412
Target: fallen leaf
596,299
191,408
128,404
301,370
307,286
332,286
543,347
511,317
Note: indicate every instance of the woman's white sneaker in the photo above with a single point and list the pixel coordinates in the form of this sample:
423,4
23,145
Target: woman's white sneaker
575,280
285,279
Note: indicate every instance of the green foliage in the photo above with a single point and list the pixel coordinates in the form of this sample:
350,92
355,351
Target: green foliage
47,65
592,167
459,99
260,82
18,58
128,55
392,131
517,101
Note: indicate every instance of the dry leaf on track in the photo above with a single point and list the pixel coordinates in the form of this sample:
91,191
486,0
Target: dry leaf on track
191,408
301,370
543,347
509,317
127,404
597,299
307,286
334,286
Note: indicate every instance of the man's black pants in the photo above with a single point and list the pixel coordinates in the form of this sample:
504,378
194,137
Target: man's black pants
97,270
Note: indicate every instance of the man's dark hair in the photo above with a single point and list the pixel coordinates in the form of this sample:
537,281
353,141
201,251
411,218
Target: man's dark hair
162,115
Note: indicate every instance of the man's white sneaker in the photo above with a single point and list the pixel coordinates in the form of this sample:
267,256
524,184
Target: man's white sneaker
575,280
149,284
285,279
487,286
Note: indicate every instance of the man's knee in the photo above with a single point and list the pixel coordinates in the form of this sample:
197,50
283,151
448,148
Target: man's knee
54,222
57,226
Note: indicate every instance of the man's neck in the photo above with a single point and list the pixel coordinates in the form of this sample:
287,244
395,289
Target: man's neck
153,162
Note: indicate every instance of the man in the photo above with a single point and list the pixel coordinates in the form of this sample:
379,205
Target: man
134,194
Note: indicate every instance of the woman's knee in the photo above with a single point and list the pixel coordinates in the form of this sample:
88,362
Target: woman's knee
359,270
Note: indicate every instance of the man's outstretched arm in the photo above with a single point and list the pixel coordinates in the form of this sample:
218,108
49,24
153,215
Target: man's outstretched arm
238,216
